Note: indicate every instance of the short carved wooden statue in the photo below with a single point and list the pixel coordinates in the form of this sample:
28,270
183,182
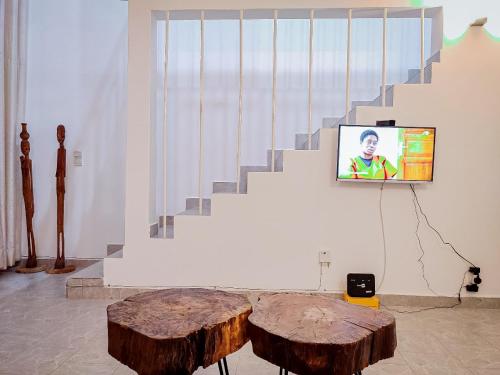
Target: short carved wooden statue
29,204
60,264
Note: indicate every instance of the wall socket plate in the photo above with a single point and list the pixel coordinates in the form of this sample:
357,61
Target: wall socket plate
325,257
77,159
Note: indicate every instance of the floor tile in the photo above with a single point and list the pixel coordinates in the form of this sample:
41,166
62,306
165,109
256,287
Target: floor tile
42,333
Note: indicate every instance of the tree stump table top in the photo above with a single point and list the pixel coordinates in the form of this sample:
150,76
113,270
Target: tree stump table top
318,334
174,331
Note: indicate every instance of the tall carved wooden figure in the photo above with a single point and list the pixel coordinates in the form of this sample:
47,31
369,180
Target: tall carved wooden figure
29,204
60,265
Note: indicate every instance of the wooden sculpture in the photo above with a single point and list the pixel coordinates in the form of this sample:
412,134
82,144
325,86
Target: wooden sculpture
29,204
60,264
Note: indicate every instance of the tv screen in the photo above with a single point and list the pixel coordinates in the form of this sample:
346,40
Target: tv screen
391,153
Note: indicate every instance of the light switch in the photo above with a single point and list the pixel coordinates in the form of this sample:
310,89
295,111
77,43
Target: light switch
77,158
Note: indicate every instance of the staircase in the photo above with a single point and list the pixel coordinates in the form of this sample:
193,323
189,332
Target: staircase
157,230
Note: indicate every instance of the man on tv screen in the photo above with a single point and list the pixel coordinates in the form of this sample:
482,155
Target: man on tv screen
367,165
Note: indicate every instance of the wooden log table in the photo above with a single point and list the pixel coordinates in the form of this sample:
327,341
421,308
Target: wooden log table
317,334
175,331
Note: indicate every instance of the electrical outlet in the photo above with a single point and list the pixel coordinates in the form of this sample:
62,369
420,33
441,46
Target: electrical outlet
475,270
325,257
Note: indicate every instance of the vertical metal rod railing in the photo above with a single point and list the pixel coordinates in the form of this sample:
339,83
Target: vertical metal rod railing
273,122
274,92
348,73
422,46
309,83
165,113
384,57
240,113
202,103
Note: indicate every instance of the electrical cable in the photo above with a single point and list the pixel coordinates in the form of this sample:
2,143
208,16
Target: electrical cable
320,276
433,307
238,289
382,227
415,197
422,252
418,209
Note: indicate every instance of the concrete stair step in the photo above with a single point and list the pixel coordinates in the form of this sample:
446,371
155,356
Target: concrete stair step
434,58
301,141
413,76
389,96
113,249
195,211
343,120
117,254
157,230
357,103
278,160
170,232
193,205
91,276
330,122
245,169
224,187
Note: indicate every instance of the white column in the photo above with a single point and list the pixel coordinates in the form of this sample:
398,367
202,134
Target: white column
309,83
273,123
384,57
422,46
240,114
202,102
165,113
348,73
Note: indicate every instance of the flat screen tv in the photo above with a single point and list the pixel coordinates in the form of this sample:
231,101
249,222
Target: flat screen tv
385,153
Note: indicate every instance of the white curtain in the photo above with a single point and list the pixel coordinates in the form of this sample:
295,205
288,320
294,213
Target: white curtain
13,22
222,88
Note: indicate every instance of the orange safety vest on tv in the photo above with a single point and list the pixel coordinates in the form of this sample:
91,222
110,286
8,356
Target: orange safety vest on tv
379,169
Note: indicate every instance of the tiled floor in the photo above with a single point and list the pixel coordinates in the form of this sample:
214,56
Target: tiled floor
42,332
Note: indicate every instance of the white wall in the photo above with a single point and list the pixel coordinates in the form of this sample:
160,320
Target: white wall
77,76
270,237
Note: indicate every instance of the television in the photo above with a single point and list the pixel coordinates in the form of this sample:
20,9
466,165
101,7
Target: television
385,153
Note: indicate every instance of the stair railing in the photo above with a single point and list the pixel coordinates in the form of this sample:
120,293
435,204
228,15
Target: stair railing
348,105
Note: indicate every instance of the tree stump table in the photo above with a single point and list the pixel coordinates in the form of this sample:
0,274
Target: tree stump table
317,334
174,331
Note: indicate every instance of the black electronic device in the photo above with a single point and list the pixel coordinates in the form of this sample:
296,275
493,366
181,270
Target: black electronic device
360,284
386,123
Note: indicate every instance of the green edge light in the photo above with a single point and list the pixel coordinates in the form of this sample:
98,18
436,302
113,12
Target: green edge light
417,3
454,41
448,42
494,38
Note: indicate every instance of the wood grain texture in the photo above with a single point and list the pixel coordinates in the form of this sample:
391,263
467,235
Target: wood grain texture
317,334
28,196
23,269
60,263
175,331
67,269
